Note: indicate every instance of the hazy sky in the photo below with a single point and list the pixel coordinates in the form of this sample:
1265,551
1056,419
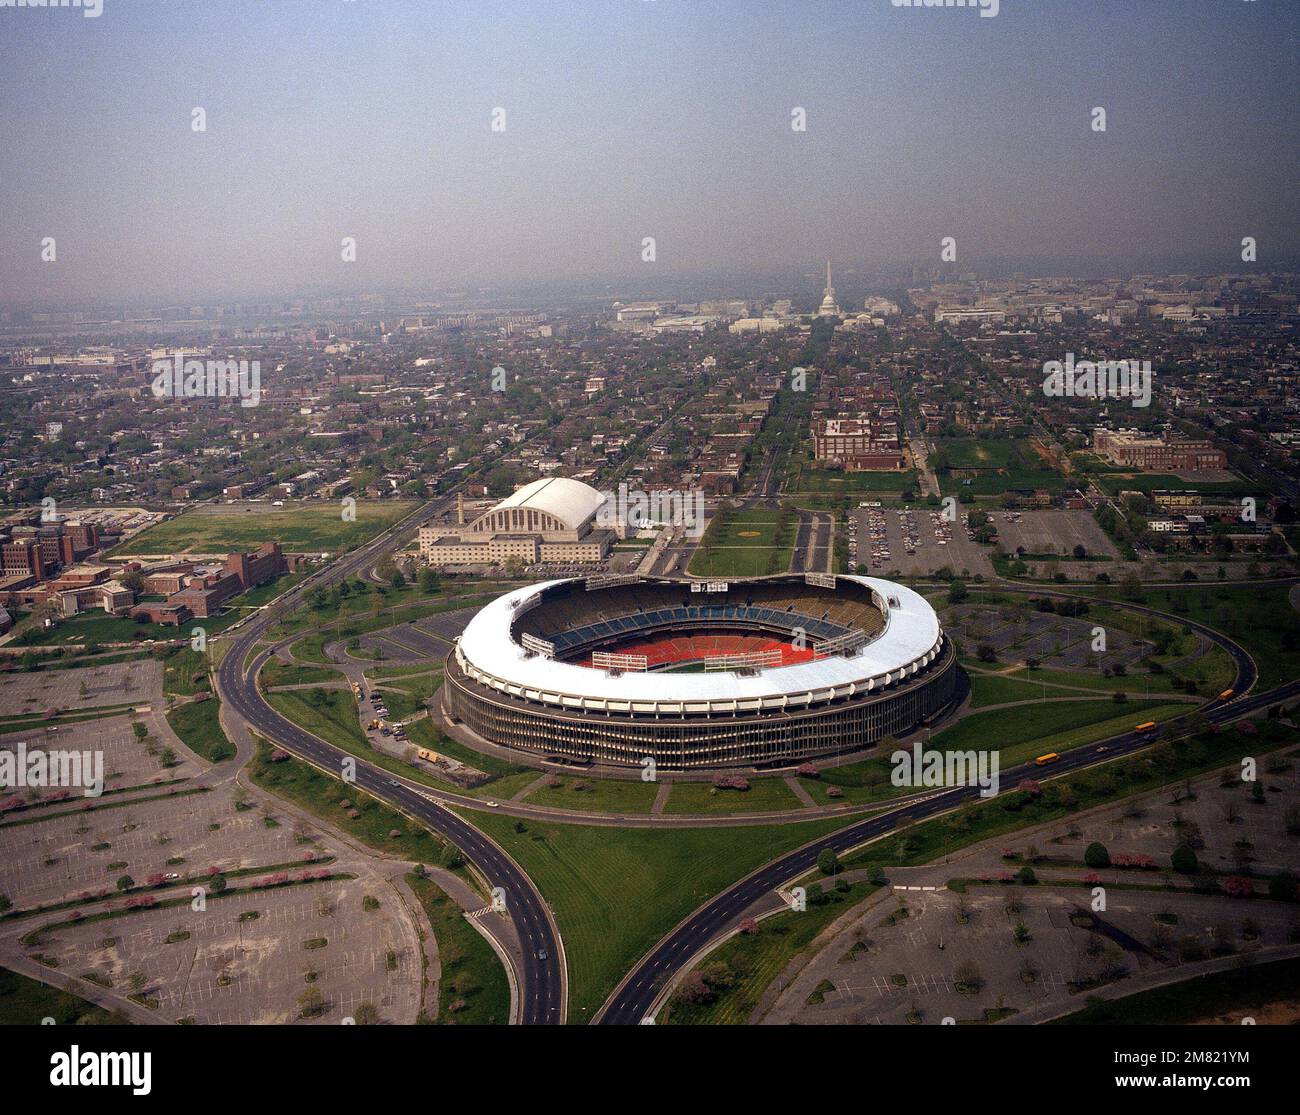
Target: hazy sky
625,119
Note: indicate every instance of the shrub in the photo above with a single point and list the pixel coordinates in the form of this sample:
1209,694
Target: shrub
1096,855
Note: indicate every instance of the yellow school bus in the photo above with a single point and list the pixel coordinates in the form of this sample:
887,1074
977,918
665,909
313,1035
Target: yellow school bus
1050,757
1149,726
1227,695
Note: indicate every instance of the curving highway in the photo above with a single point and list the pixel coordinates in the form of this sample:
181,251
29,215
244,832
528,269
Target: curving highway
633,1000
542,990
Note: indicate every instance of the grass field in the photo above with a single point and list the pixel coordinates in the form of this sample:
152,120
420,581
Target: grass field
199,726
275,672
596,795
1018,736
25,1002
328,713
615,892
1146,483
1259,617
322,795
702,797
185,672
473,990
303,527
1246,990
744,543
978,452
807,480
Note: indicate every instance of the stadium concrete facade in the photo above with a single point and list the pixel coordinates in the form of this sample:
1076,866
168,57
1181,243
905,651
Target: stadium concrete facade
767,672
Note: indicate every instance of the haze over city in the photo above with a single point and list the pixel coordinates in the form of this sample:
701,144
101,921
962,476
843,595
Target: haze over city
627,120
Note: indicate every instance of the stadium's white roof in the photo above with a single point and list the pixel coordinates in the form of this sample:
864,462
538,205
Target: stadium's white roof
570,501
911,639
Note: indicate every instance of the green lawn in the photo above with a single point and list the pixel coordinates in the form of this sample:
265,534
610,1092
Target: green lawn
704,797
473,990
185,672
300,527
1018,734
746,543
276,673
615,892
199,726
323,795
1249,990
828,482
328,713
596,795
1113,484
25,1002
1259,617
978,452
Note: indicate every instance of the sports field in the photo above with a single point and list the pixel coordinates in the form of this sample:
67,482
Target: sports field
304,526
746,543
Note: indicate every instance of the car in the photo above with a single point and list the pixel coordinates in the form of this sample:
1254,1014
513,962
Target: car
1102,750
542,954
171,875
490,804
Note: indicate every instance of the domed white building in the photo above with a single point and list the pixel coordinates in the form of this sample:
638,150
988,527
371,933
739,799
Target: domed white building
549,520
829,307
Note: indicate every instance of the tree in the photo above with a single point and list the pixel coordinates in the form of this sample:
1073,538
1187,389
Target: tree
957,592
1183,860
1096,855
1282,887
828,863
366,1014
125,882
311,1002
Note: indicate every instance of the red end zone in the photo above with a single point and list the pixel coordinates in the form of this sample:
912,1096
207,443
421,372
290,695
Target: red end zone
668,650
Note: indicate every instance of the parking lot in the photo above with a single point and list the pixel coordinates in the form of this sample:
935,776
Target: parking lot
127,760
246,958
914,542
138,682
1052,532
1058,642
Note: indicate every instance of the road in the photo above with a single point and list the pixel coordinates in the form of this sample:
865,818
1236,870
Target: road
542,986
633,1000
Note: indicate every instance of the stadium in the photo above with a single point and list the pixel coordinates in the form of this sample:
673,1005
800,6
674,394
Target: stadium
761,673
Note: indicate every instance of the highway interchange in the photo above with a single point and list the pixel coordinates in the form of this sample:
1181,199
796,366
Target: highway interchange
542,981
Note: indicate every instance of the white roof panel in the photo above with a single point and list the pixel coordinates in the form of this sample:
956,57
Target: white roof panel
911,632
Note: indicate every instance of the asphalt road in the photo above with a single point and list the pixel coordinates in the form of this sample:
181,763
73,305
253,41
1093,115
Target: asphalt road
541,991
634,999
